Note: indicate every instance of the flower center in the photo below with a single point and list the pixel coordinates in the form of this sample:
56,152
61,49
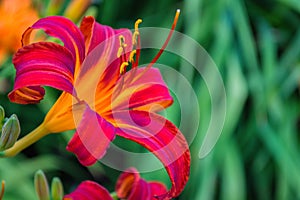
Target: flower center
136,43
121,54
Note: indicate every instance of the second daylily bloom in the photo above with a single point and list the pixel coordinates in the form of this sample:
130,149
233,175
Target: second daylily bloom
101,98
129,186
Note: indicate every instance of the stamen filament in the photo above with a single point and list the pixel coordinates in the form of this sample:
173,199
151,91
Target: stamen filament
26,141
138,52
160,51
167,40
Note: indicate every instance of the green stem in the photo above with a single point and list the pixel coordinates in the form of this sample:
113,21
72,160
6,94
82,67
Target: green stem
26,141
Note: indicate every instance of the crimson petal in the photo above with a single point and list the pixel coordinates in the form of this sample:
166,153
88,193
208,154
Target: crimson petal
157,189
92,138
148,92
163,139
63,29
89,190
39,64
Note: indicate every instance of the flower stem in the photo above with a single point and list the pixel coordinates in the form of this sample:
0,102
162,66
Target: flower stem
26,141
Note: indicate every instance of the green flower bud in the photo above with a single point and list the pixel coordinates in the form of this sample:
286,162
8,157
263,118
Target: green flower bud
41,185
2,115
10,132
57,190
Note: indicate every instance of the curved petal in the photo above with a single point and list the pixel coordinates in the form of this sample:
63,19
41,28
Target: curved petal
126,181
27,95
89,190
140,190
148,92
100,69
63,29
157,189
92,138
130,186
160,137
39,64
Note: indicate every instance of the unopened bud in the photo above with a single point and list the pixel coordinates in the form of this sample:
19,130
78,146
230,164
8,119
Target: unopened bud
41,185
76,9
10,132
2,115
2,189
57,190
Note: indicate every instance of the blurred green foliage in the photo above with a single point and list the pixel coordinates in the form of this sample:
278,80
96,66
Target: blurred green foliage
256,46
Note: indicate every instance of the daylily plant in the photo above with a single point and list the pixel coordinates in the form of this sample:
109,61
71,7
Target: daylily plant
129,186
104,93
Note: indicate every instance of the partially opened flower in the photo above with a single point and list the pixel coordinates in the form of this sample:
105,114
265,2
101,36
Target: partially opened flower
100,98
129,186
89,190
15,17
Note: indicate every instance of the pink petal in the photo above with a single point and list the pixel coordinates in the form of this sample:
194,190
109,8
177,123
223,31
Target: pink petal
89,190
40,64
92,138
157,189
140,190
149,91
63,29
160,137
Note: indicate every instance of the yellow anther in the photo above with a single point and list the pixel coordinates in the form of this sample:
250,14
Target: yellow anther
122,41
136,31
136,24
120,52
134,37
123,67
131,55
122,47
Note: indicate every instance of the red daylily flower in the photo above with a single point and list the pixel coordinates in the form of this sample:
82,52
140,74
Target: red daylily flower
89,190
129,186
100,99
